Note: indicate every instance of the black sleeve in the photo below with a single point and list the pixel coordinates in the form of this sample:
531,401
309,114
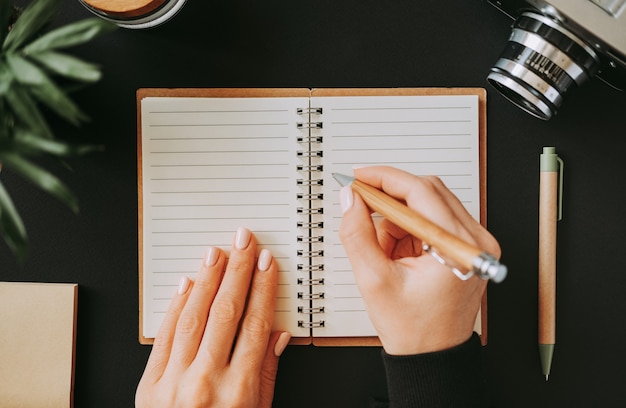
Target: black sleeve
449,378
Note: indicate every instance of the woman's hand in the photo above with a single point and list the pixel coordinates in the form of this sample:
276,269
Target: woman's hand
416,304
215,347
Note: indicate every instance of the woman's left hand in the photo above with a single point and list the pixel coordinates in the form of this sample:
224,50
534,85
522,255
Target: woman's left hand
215,347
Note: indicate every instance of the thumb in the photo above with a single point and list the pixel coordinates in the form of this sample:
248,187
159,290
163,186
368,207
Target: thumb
358,234
276,345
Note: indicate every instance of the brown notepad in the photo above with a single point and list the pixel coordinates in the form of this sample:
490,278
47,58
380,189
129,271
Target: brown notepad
37,344
211,160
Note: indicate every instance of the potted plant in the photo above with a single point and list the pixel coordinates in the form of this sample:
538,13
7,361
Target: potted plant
35,72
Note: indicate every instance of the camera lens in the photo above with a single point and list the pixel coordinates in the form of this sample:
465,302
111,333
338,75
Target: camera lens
540,63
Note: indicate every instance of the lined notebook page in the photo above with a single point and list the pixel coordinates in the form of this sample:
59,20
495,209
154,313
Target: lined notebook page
424,135
210,165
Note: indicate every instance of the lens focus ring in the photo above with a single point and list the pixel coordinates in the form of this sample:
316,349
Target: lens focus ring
540,63
561,38
545,56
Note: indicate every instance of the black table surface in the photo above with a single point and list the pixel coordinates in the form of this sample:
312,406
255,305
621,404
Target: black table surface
340,44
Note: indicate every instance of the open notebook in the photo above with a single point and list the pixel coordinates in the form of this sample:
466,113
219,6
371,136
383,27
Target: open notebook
211,160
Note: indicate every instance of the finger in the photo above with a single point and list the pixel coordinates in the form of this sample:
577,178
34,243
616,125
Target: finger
359,238
192,321
161,349
253,337
390,236
485,240
425,195
418,192
227,308
276,346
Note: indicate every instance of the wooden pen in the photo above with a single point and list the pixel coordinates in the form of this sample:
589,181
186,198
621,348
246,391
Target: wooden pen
550,183
461,253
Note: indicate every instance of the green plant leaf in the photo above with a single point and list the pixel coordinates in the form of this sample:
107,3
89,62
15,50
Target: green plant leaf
11,226
34,17
28,142
40,177
24,71
29,63
59,102
44,89
26,111
70,35
67,66
6,78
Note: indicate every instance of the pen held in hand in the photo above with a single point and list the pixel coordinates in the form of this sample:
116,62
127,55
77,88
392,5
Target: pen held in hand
465,255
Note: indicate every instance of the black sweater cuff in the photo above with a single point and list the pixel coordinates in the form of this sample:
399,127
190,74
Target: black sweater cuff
448,378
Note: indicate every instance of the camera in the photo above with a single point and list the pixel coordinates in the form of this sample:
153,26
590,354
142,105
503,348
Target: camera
556,46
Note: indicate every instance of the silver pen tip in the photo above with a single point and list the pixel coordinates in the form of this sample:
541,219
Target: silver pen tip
342,179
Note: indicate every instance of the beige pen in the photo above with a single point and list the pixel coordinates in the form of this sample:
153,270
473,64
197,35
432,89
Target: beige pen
463,254
550,184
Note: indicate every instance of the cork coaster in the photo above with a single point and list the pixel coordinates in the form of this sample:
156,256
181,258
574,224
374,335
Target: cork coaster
124,8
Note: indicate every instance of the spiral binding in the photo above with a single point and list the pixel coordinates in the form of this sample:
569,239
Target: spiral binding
310,254
308,111
310,325
309,153
310,168
310,225
310,268
310,197
302,210
310,240
310,310
309,182
309,125
310,282
311,296
310,139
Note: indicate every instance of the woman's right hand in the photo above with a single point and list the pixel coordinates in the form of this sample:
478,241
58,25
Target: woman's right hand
416,304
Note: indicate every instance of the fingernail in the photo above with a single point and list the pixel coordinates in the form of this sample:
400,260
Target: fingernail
242,238
210,257
265,260
183,285
346,198
281,343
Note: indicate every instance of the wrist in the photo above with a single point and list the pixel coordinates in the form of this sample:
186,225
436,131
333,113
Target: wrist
429,341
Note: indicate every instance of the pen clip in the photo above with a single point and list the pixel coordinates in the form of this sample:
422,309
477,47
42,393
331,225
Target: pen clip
433,252
560,197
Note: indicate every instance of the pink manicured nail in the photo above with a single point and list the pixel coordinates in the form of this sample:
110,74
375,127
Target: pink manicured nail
346,198
183,285
265,260
281,343
210,257
242,238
